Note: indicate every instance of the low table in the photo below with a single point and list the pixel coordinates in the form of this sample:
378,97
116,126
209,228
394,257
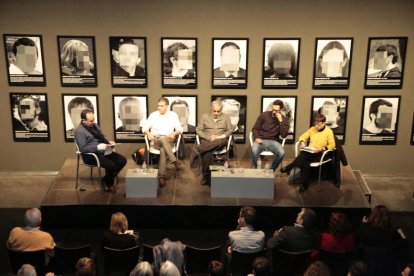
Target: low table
242,183
141,184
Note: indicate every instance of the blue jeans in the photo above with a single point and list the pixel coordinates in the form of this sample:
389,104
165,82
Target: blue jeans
269,145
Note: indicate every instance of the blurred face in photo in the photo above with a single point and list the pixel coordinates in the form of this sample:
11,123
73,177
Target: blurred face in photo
130,114
381,60
183,113
230,59
28,110
128,55
333,62
26,58
75,114
383,118
83,60
232,109
331,113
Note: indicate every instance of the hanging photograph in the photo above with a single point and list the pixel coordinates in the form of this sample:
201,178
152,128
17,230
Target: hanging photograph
412,132
385,62
229,63
128,61
186,108
24,60
179,62
73,105
77,61
235,107
30,117
379,122
288,110
332,63
335,110
130,112
281,63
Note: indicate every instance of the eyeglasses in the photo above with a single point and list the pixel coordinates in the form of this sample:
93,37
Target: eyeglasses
318,123
277,110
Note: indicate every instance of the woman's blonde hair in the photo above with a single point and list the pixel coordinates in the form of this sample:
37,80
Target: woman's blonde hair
119,223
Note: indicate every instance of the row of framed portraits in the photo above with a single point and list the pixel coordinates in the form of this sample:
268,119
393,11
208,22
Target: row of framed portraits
30,116
332,62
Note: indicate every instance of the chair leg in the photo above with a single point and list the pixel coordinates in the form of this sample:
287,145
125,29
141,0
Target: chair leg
319,177
77,173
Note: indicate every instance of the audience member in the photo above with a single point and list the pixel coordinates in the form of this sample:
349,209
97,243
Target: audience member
317,269
26,270
408,270
261,267
85,267
357,268
169,269
118,236
161,128
168,250
31,238
142,269
91,139
299,237
339,237
245,239
216,268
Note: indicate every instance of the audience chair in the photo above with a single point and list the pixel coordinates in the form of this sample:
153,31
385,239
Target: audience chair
79,162
326,157
66,258
338,262
197,259
290,263
151,150
147,253
265,153
35,258
120,261
241,263
223,151
380,260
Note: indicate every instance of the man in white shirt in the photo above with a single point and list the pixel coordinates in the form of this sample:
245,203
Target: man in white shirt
161,128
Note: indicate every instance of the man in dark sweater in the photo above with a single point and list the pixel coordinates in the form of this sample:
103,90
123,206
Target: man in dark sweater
266,131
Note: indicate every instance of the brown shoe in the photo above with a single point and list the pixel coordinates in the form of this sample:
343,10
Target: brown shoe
162,181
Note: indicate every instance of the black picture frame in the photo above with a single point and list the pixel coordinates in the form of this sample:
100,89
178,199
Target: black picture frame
332,63
383,69
412,132
72,106
128,55
379,120
24,59
289,110
130,111
77,60
335,109
30,117
280,63
179,62
236,107
230,62
186,107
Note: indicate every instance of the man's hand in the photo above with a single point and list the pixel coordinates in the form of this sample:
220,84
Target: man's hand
150,136
102,146
258,141
279,117
302,144
171,135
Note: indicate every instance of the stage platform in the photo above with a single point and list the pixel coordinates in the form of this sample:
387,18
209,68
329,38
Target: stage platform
184,202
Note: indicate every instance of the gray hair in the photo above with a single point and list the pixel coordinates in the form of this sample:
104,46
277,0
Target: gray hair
33,217
142,269
27,270
217,103
169,269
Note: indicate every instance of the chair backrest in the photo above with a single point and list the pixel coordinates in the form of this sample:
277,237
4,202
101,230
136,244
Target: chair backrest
241,263
291,263
338,262
66,258
151,149
120,260
147,251
197,259
35,258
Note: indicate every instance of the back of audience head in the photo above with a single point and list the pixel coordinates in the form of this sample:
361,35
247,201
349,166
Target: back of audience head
317,268
379,217
307,218
33,218
142,269
248,215
357,268
216,268
119,223
85,267
408,270
169,269
262,267
26,270
339,224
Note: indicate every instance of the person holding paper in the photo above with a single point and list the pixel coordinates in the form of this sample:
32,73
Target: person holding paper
90,139
320,138
230,62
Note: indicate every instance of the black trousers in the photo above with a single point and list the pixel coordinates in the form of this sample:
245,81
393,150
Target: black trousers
303,161
112,163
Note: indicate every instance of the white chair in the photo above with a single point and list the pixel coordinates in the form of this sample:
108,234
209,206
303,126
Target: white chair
225,150
79,162
324,159
265,152
151,150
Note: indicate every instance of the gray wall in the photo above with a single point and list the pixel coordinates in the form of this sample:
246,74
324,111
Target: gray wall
206,19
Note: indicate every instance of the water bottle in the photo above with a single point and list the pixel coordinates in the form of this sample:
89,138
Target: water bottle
226,166
144,167
259,164
267,168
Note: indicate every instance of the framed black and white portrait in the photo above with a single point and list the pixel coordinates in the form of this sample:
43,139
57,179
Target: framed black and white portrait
288,110
77,61
24,60
179,62
30,117
281,62
412,132
332,63
385,62
73,105
236,108
379,121
230,62
128,61
335,110
186,108
130,112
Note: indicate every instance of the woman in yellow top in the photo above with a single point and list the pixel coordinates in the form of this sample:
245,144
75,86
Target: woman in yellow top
320,138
